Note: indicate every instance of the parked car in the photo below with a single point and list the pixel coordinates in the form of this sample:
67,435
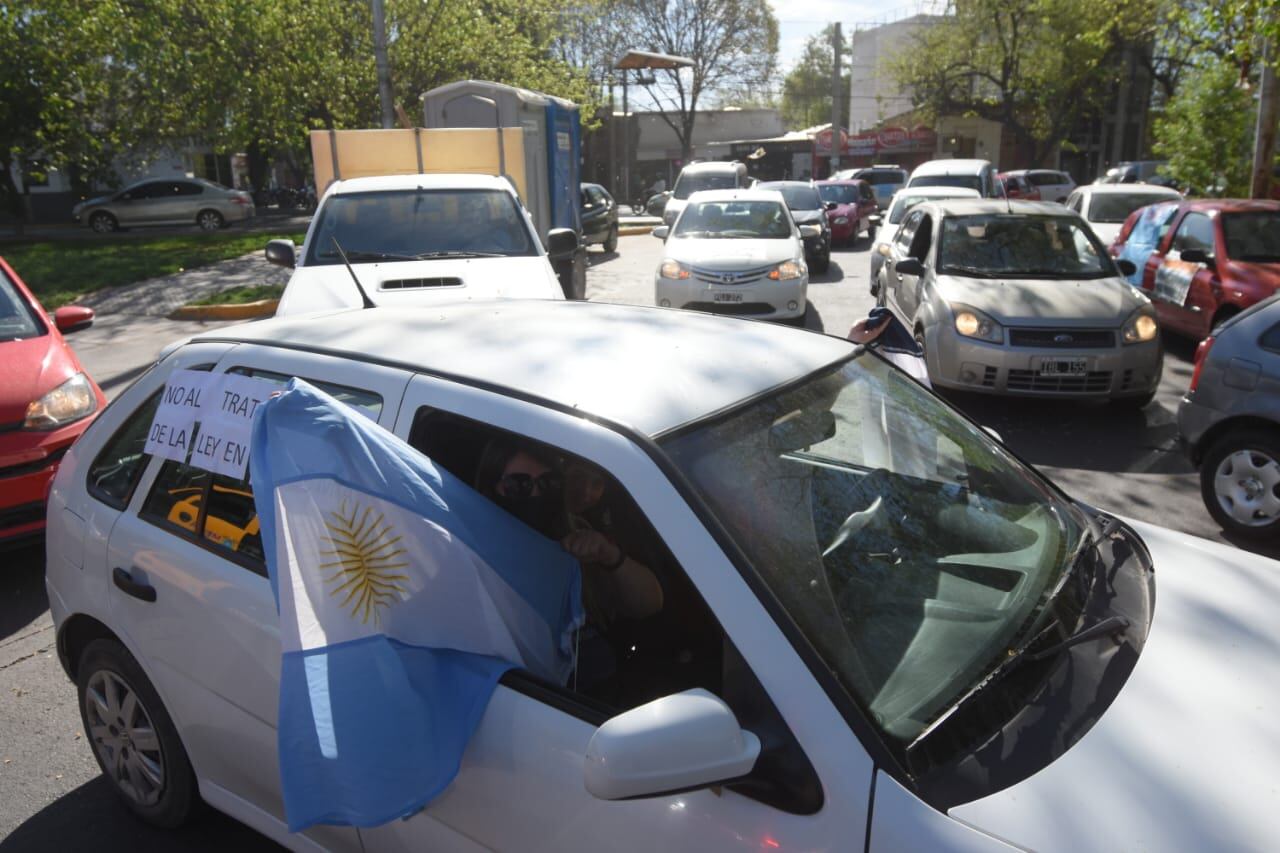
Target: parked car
1049,184
855,209
599,217
885,180
46,402
1143,231
707,175
657,205
1229,421
858,578
415,239
1214,258
977,175
181,201
903,202
1106,206
735,252
1020,298
1017,185
807,208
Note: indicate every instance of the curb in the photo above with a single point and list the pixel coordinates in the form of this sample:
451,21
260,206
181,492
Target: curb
244,311
633,230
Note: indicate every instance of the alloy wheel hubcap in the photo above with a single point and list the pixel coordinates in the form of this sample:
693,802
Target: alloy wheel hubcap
124,737
1245,485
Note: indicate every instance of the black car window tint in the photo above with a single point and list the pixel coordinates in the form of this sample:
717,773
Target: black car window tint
1270,339
1194,232
115,470
187,188
922,240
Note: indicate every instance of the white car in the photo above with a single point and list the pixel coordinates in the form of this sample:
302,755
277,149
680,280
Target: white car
700,177
1106,206
903,201
932,646
735,252
977,175
418,239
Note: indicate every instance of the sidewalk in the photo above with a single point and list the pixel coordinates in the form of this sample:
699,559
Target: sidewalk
158,297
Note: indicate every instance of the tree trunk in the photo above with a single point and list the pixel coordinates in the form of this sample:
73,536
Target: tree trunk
13,197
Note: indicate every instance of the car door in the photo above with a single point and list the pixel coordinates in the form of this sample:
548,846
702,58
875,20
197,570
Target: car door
188,198
138,205
900,249
521,783
198,606
909,286
1183,291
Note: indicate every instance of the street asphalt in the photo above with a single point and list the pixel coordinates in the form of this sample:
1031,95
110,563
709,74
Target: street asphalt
51,795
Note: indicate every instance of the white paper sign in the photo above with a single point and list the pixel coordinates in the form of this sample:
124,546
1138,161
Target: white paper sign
174,424
223,404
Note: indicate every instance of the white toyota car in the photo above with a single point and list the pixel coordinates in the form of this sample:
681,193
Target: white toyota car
736,252
880,631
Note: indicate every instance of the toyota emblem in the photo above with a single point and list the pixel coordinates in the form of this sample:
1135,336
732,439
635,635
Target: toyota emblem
1062,339
728,278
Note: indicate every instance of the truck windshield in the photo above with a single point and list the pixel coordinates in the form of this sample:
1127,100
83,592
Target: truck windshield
407,224
911,551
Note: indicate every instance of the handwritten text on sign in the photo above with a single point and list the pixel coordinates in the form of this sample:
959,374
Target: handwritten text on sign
223,404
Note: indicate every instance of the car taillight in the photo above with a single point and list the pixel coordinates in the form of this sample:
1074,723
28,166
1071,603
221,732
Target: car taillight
239,199
1202,353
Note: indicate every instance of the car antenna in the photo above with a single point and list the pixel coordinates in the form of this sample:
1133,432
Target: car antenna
368,303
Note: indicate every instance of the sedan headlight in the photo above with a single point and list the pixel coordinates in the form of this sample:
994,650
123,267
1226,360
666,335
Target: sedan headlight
972,323
787,271
1140,327
673,269
70,401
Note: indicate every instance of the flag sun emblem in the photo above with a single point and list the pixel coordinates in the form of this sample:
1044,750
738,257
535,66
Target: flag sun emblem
366,564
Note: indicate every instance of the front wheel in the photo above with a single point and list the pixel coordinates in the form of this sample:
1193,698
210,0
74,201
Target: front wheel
103,222
209,220
1240,483
822,263
132,736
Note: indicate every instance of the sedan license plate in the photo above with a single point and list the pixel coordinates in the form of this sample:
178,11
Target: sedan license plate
1064,366
726,297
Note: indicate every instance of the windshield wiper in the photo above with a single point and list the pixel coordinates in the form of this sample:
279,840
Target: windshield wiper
423,256
973,272
363,255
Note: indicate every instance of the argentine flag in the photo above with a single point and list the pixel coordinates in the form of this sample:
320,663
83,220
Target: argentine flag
403,595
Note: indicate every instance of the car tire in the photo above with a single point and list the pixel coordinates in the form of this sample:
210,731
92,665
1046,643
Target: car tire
611,242
103,222
871,232
1226,470
157,784
822,263
1135,403
209,220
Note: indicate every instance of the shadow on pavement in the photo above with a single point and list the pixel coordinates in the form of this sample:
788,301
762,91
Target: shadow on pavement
833,275
22,594
594,258
92,818
812,319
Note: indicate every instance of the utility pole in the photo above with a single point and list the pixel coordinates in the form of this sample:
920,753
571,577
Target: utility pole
837,93
1264,137
384,67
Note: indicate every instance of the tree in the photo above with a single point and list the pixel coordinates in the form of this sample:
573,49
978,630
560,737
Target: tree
733,45
1206,132
806,90
1035,66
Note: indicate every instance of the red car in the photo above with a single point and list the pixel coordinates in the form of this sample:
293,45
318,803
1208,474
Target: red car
1213,259
46,401
854,206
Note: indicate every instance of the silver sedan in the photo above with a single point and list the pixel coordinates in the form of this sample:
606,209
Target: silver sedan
170,201
1020,298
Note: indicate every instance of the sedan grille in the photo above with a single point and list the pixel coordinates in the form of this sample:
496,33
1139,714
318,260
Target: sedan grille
748,276
22,514
1097,382
1062,338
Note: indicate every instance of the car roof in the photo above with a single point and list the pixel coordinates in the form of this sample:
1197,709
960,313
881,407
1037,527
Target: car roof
784,184
951,167
650,368
939,192
1232,205
1129,189
713,166
840,182
978,206
379,183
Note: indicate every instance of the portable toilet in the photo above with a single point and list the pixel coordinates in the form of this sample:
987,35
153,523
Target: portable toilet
552,140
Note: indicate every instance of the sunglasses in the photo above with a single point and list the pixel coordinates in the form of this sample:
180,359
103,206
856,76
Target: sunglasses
525,485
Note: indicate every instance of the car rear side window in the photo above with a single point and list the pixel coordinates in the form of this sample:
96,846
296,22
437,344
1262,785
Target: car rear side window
366,402
115,471
209,509
1270,339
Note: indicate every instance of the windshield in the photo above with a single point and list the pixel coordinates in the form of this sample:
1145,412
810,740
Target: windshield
727,220
419,223
1020,246
692,182
972,182
797,196
1116,208
839,193
17,319
911,551
882,176
1252,236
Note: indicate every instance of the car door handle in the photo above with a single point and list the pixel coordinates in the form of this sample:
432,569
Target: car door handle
125,582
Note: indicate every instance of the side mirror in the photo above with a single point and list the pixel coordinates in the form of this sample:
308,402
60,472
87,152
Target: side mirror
676,743
661,232
561,242
810,230
1196,256
909,266
1126,266
282,253
831,205
72,318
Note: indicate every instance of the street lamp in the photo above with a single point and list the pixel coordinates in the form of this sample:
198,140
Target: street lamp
637,60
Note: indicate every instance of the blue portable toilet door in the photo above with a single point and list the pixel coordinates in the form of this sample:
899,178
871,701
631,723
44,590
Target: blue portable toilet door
564,147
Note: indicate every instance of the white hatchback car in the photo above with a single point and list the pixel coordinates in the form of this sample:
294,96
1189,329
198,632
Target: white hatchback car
934,647
736,252
1106,206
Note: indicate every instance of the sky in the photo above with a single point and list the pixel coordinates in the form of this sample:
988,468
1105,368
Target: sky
798,21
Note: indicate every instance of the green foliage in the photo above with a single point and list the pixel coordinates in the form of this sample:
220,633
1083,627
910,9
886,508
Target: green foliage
241,295
806,90
59,272
1206,132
